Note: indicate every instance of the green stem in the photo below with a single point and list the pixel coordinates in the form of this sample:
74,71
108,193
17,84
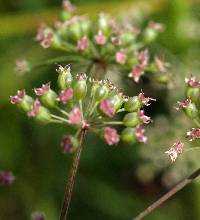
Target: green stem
113,122
63,111
192,148
59,118
196,121
81,109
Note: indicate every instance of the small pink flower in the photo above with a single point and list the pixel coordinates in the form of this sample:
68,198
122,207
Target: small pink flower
6,178
44,89
143,57
100,39
22,66
75,116
192,81
83,43
193,134
65,95
140,134
136,73
18,98
161,65
107,108
67,144
38,216
121,56
182,105
111,136
35,109
156,26
115,41
145,100
175,150
67,6
45,36
145,119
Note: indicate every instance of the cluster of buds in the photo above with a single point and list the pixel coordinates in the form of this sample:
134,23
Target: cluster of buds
104,42
191,106
89,104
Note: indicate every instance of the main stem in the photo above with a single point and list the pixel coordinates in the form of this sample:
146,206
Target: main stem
169,194
71,178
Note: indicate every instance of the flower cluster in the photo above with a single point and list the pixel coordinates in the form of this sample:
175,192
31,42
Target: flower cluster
191,106
6,178
104,42
87,104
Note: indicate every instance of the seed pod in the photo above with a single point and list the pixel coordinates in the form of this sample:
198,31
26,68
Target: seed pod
80,89
191,111
193,93
117,101
94,88
26,103
65,77
75,30
131,119
128,135
133,104
43,115
49,99
101,93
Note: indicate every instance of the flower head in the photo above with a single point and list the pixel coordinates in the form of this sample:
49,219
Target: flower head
6,178
145,100
18,98
35,109
175,150
193,134
182,105
100,39
83,43
43,90
192,81
67,6
75,116
111,136
143,57
161,65
38,216
107,108
121,56
65,95
140,134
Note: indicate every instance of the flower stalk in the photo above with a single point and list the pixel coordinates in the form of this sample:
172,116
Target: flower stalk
71,178
168,195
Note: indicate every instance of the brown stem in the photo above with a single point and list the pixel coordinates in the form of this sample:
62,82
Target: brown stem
169,194
71,178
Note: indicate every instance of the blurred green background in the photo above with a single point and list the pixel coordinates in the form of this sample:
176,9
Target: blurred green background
113,183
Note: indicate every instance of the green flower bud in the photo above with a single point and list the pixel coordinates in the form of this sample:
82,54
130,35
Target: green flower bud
80,87
101,93
43,115
49,99
104,24
127,37
26,103
117,101
193,93
133,104
75,30
191,111
149,35
128,135
65,77
131,119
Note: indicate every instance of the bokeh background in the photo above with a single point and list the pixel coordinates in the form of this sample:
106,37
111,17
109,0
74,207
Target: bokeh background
113,183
